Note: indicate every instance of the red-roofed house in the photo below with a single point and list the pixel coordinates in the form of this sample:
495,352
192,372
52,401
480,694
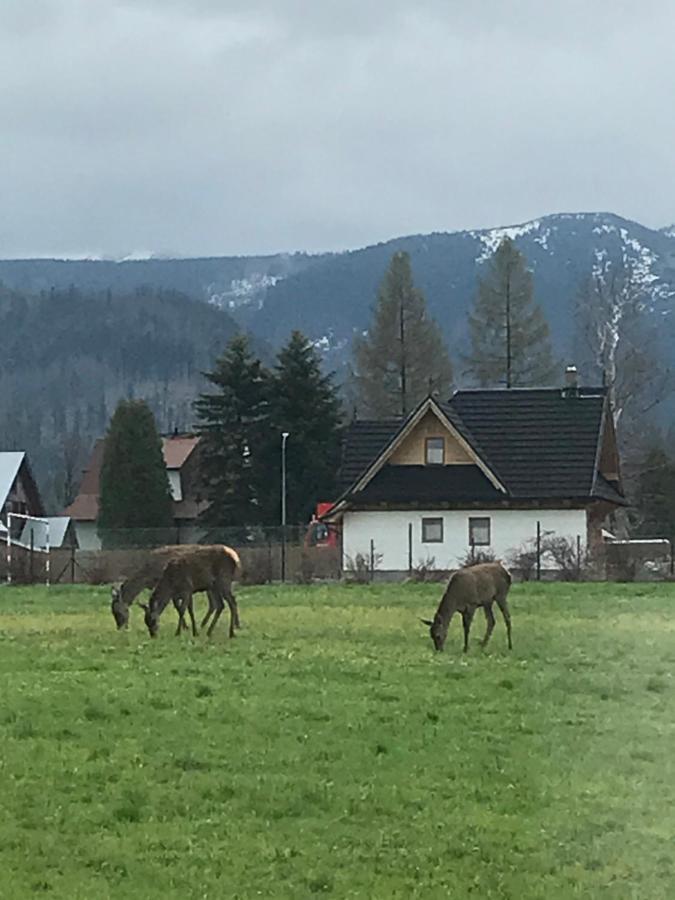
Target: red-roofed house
181,459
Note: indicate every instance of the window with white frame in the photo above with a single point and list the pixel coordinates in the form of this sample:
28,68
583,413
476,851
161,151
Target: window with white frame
479,531
434,451
432,531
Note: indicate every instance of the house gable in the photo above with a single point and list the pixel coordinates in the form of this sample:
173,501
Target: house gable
18,491
412,449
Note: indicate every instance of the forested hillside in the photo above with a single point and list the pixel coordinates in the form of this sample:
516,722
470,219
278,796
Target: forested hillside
69,356
78,335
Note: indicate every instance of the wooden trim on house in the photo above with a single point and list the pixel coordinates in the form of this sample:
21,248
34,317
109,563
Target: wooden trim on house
406,429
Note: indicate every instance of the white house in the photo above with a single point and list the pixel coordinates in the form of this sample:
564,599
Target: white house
484,470
181,458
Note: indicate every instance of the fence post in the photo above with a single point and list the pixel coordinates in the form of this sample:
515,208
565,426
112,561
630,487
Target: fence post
372,559
72,564
578,557
672,556
9,548
30,558
410,546
538,551
283,554
48,555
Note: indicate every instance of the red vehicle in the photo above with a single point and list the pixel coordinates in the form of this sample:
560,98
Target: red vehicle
321,534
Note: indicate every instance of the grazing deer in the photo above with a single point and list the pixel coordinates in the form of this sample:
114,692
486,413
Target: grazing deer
124,594
209,569
468,588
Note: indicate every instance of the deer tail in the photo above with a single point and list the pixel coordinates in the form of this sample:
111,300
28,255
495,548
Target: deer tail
234,556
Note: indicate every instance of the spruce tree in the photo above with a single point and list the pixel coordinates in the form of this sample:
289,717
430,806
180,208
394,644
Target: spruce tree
134,487
402,358
509,336
304,403
232,422
655,500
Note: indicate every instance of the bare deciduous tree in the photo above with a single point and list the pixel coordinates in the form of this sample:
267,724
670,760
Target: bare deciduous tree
619,342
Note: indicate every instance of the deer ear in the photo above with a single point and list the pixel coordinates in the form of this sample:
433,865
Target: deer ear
427,622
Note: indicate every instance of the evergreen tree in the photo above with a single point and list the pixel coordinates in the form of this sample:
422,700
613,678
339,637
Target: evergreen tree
304,403
232,424
655,498
402,358
509,336
135,489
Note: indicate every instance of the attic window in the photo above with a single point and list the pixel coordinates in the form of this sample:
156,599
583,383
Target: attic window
479,531
435,451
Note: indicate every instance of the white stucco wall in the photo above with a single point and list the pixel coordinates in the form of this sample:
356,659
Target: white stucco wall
509,529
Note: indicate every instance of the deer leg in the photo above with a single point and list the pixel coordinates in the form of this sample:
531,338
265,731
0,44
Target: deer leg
191,613
234,611
181,621
181,604
467,617
237,623
219,608
212,607
503,606
490,619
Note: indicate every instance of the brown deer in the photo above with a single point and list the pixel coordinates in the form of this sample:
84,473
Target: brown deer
124,594
147,576
469,588
211,571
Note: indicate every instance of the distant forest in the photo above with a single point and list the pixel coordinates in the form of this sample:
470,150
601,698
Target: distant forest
69,356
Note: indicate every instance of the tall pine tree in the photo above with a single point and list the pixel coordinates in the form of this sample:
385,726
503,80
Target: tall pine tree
402,358
135,492
304,403
509,336
232,425
655,500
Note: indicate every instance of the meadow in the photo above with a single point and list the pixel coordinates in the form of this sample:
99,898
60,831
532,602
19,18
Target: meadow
328,751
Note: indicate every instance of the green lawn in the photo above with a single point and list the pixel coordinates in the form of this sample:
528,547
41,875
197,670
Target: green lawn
328,750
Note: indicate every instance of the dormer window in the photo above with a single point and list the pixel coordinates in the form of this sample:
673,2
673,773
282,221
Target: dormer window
435,451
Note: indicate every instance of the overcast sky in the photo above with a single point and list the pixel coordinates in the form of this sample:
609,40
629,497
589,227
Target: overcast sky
201,127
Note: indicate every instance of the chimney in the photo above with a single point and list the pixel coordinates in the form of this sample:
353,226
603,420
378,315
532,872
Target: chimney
571,388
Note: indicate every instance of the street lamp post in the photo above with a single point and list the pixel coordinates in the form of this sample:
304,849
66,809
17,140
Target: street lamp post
284,438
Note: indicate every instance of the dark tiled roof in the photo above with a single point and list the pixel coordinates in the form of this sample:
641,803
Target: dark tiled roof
364,441
428,484
539,443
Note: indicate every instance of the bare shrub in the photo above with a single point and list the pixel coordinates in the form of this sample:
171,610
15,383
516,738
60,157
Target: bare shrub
570,562
426,570
474,557
358,568
524,560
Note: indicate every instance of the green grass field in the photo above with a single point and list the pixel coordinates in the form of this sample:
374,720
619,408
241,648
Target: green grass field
328,750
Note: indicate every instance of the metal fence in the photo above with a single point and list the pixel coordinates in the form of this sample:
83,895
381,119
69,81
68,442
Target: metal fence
268,555
546,556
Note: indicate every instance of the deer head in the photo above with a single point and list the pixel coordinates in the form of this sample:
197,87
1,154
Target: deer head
438,631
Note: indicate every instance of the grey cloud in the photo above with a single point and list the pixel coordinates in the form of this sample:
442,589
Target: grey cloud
223,127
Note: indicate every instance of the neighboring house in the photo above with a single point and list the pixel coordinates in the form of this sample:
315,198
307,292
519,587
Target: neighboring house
181,459
18,490
482,469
